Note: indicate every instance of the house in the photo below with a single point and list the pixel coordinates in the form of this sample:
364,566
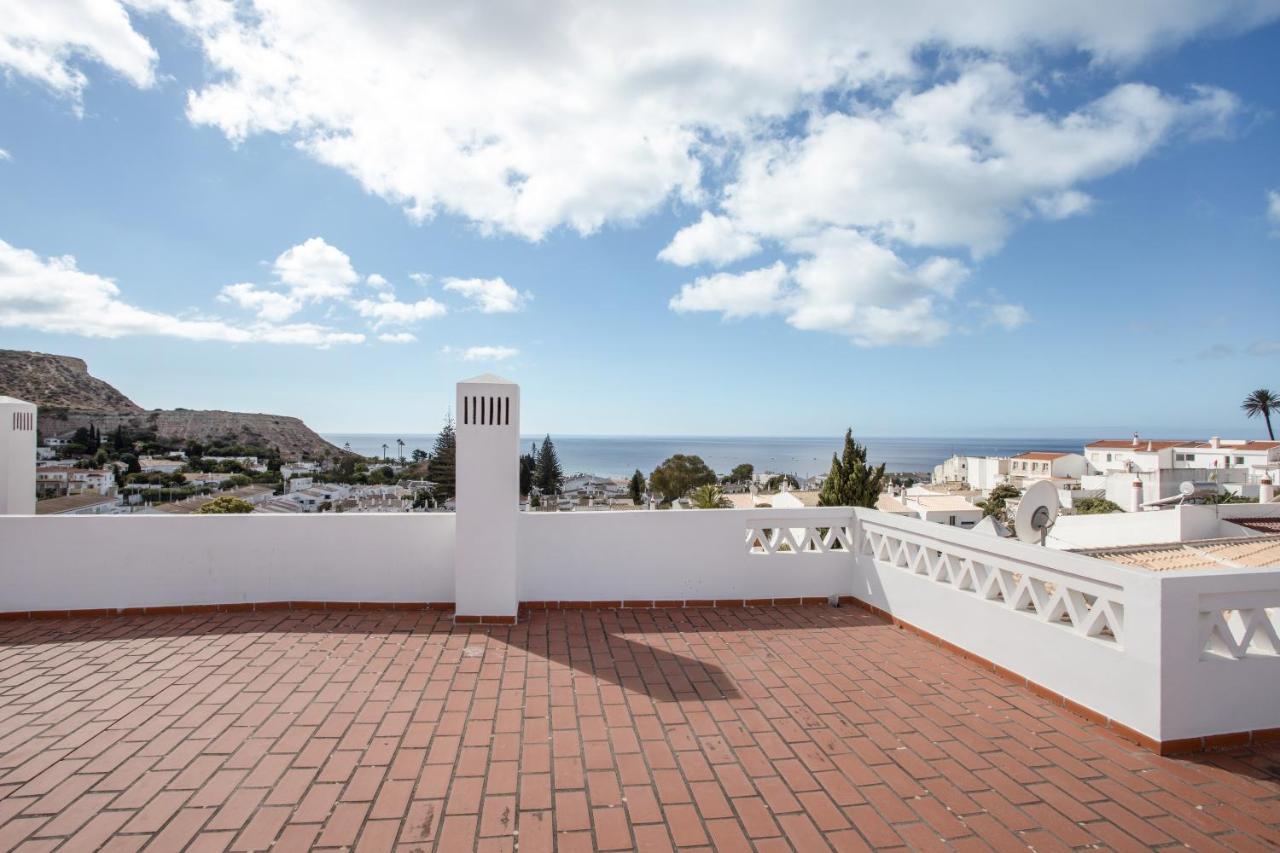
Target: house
983,473
1027,468
212,478
88,503
952,510
1161,467
54,441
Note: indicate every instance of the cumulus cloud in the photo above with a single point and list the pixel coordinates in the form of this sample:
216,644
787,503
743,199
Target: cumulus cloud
735,295
314,270
49,41
542,116
268,304
398,338
922,127
388,311
5,155
54,295
712,239
481,353
489,295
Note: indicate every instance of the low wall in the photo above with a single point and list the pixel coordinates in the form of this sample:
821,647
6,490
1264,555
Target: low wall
695,555
1080,627
132,561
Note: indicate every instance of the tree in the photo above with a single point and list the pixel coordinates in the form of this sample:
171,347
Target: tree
1095,506
741,473
443,467
852,482
419,455
635,488
224,505
679,475
709,497
528,464
995,503
547,475
236,481
1262,402
400,442
774,483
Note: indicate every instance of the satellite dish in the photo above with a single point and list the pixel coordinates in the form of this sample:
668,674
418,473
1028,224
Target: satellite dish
1036,513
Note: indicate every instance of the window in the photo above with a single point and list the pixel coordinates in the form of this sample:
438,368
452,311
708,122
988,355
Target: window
952,522
1239,460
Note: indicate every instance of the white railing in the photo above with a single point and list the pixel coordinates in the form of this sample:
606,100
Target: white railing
1068,598
781,535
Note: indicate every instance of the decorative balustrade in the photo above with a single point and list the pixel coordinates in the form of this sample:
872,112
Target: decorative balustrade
782,536
1088,606
1240,625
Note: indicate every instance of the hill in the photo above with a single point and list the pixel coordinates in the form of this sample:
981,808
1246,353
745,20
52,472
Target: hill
69,398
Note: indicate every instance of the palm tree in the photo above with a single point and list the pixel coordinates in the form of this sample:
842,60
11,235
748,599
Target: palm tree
709,497
1262,402
400,441
384,451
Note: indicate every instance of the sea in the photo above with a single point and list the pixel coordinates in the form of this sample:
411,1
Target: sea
619,456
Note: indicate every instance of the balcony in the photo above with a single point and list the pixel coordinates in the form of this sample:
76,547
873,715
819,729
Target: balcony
647,680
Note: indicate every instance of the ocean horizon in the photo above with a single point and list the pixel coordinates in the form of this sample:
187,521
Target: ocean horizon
619,456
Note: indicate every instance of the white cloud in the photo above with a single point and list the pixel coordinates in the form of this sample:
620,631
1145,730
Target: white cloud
1008,316
376,281
712,239
534,117
1273,210
489,295
735,295
483,353
1061,205
5,155
49,40
53,295
314,270
398,338
388,311
269,304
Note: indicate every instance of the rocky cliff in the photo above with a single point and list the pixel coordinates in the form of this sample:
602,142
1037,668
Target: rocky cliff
70,398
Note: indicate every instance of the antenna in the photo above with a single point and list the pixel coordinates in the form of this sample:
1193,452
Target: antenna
1037,511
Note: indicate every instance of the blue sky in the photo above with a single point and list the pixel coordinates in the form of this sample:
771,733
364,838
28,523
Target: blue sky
1058,225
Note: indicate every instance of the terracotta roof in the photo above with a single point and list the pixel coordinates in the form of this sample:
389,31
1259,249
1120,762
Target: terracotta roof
890,504
1266,524
1243,552
1141,446
1040,454
55,506
1243,445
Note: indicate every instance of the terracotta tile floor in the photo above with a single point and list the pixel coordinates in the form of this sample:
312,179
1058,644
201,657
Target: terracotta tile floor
772,729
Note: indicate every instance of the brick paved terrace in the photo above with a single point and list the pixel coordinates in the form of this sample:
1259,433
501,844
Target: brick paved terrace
788,728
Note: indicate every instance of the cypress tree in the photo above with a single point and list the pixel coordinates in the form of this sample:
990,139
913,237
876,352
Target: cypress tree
442,469
635,489
852,482
547,476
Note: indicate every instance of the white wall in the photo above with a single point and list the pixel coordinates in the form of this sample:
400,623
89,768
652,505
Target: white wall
1119,679
697,554
117,561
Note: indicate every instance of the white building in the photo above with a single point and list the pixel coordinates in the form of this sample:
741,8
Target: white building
159,465
951,510
983,473
1037,465
1162,466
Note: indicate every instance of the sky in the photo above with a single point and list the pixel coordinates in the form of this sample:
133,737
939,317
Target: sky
918,219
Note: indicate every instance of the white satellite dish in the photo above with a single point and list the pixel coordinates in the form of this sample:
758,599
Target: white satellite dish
1037,511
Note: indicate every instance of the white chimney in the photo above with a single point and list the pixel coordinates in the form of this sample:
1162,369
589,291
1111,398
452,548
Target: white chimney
1266,491
1215,442
488,500
1135,439
17,457
1135,498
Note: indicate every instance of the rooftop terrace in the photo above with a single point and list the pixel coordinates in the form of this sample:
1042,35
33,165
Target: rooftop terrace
740,728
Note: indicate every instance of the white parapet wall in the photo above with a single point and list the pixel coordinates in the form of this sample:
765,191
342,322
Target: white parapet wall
1175,657
17,457
50,563
699,555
